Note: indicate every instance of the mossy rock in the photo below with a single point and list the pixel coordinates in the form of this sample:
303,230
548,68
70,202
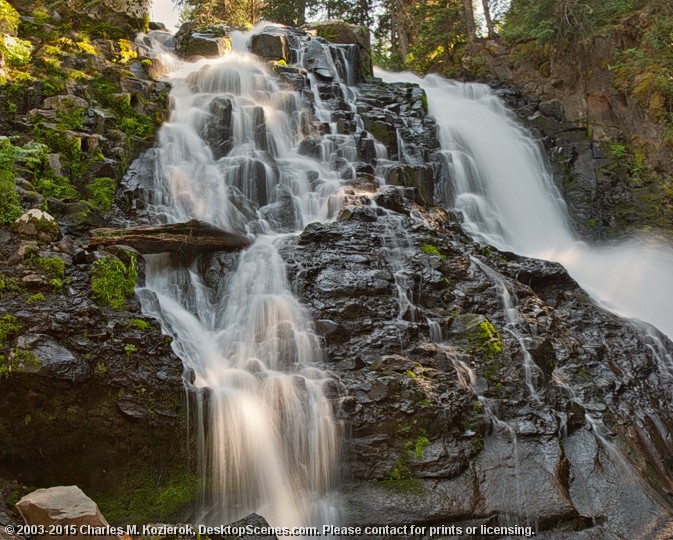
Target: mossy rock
38,225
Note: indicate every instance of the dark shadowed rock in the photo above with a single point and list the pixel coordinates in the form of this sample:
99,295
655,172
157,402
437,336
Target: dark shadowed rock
270,45
219,129
55,360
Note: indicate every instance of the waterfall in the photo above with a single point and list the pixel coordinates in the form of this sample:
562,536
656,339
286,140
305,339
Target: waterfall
267,436
497,177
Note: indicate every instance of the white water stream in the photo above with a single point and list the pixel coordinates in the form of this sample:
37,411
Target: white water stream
268,440
505,192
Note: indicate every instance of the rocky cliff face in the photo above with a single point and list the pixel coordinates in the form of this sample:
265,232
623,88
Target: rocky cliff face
91,391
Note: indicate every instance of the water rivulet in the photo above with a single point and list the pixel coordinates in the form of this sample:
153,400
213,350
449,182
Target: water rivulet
365,360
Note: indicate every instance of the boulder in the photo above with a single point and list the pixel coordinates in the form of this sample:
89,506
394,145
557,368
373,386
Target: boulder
38,225
53,359
315,61
341,32
62,505
64,102
209,42
254,522
129,15
219,131
187,238
270,46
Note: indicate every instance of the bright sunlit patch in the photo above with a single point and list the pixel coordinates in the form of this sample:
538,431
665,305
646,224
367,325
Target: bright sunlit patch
165,11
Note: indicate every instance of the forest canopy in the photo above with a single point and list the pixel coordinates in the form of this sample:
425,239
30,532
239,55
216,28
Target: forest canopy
428,35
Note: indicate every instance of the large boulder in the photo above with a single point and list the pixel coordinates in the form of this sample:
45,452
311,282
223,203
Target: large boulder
315,61
219,131
52,359
207,42
341,32
38,225
130,15
271,45
64,506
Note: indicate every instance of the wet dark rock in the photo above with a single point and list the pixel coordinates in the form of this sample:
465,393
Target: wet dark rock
137,180
282,213
270,45
419,176
219,129
55,360
315,61
310,147
254,522
341,32
422,448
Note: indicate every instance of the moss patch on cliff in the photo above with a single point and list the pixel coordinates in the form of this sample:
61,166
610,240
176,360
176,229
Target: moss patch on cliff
148,496
112,282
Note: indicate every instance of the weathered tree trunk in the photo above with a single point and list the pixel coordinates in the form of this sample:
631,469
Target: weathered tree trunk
487,16
188,238
468,17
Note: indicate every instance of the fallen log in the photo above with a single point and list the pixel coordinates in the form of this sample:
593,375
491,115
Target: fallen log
189,238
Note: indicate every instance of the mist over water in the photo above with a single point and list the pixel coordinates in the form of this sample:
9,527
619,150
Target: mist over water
499,180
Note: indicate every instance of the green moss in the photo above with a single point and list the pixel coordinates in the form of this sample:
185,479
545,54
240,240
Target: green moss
148,499
71,118
429,249
100,370
618,151
38,297
56,285
15,51
102,193
10,284
489,339
413,449
126,51
9,325
54,267
9,18
420,444
129,349
112,282
10,209
138,324
20,360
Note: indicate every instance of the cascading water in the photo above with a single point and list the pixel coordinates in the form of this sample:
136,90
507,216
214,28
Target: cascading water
498,179
268,440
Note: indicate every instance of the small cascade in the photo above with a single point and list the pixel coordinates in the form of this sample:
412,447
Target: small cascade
619,476
513,327
503,435
496,175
